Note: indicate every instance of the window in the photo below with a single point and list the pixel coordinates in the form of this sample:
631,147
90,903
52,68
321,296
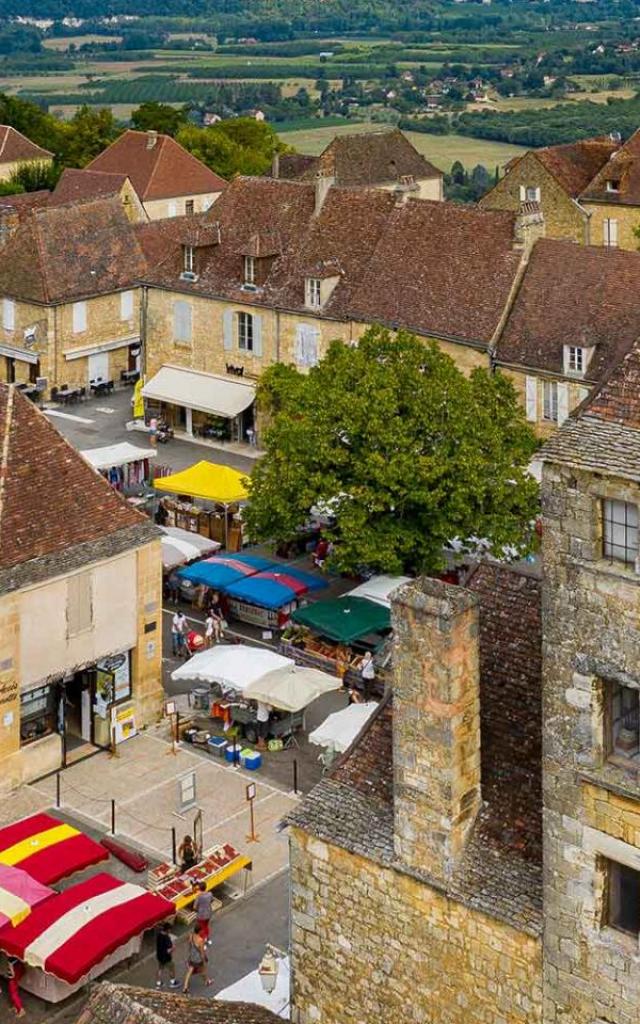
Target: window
624,721
575,359
79,604
550,401
37,714
182,322
8,314
532,194
314,292
613,185
189,207
249,270
610,232
620,531
623,902
245,332
172,209
79,317
189,261
126,305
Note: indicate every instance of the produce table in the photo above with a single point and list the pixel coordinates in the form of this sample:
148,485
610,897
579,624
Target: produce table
218,865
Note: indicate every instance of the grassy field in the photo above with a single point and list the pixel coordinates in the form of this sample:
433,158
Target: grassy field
442,150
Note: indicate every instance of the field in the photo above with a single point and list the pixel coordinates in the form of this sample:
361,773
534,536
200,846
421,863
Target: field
442,150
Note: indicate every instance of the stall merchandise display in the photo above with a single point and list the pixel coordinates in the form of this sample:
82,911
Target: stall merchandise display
217,865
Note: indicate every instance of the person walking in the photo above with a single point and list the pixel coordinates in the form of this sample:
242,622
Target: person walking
202,907
197,960
209,630
164,956
367,674
13,969
178,626
263,715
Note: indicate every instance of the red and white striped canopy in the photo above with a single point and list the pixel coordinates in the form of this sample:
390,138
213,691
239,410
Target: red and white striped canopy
72,932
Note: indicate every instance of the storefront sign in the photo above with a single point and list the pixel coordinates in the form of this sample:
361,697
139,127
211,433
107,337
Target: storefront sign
123,723
114,678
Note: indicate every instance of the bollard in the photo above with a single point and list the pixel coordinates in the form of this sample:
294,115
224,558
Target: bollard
57,789
113,817
173,846
295,776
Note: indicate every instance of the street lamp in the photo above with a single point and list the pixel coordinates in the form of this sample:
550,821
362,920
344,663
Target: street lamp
268,969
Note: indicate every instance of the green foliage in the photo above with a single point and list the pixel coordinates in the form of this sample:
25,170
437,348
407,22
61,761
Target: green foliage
419,453
239,146
85,135
10,188
20,39
34,177
159,117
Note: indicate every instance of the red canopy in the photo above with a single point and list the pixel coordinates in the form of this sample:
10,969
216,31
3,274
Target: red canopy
48,849
72,932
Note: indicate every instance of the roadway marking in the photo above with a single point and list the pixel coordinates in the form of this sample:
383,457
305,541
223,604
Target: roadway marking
66,416
103,408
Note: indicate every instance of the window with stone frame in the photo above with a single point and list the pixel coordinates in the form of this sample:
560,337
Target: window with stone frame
189,207
550,401
619,531
622,723
622,903
314,292
188,259
245,332
576,359
249,270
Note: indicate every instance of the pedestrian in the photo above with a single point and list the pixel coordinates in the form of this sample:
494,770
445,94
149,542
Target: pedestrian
153,431
165,943
12,969
262,716
187,854
209,629
367,673
215,612
173,588
197,960
202,907
178,626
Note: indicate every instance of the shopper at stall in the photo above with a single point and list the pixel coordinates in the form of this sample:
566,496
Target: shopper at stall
197,960
202,907
178,626
209,630
263,715
164,956
216,612
187,854
367,673
12,969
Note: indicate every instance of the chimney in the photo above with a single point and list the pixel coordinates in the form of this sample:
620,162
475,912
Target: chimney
275,166
323,184
436,724
529,226
152,138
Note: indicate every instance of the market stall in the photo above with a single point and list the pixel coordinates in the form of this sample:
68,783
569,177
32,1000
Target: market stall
180,547
48,849
379,588
270,596
19,894
78,934
222,487
216,866
340,729
344,619
292,687
232,666
124,465
221,570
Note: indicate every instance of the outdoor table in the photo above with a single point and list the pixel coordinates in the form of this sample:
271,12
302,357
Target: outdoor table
218,865
100,387
67,395
130,376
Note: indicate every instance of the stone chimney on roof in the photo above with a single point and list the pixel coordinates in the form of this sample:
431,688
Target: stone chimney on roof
529,226
275,165
152,138
436,724
323,183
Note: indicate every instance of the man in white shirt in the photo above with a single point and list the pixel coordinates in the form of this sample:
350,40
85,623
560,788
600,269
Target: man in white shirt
262,715
178,626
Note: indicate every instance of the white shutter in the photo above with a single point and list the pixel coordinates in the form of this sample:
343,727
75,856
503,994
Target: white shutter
610,232
523,193
182,321
563,402
8,314
538,195
257,335
532,399
227,330
126,305
79,317
172,209
307,339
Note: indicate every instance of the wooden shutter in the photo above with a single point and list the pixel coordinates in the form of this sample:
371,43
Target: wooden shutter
257,335
79,317
307,340
563,402
523,193
79,604
532,399
182,321
227,330
8,314
126,305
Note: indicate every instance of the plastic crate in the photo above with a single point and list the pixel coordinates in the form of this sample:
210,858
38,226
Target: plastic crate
217,745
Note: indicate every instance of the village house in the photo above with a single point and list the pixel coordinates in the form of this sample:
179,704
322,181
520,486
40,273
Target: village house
16,150
383,158
81,574
612,199
81,186
168,180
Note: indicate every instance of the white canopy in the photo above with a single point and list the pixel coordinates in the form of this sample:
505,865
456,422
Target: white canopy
202,391
182,546
340,729
292,687
378,588
116,455
233,666
249,990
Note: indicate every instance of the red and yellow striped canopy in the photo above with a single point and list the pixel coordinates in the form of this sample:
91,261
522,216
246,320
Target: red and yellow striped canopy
48,849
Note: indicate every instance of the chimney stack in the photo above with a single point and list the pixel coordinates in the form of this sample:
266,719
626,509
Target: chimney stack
529,226
323,184
436,724
152,138
275,166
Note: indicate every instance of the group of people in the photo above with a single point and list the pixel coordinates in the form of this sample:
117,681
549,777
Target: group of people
198,944
215,624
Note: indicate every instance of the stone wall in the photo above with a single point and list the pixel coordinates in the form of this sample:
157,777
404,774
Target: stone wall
628,218
146,657
562,216
157,209
370,944
592,807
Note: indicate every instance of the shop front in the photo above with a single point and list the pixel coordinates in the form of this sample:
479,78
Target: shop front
202,404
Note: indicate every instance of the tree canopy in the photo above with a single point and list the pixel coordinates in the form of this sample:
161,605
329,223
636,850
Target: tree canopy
408,451
159,117
239,145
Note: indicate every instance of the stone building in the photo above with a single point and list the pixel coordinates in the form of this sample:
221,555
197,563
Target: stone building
612,199
384,158
82,186
80,602
416,882
16,150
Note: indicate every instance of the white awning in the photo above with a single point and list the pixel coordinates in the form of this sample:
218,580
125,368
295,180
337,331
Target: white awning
18,353
204,392
378,588
116,455
105,346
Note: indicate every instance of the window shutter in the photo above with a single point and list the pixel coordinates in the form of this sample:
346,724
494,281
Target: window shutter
182,321
79,317
538,195
257,335
227,330
532,399
8,314
523,193
173,209
126,305
307,339
563,402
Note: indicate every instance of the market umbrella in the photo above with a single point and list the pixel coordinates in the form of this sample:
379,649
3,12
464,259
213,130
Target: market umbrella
344,619
19,894
340,729
291,688
219,571
233,666
181,546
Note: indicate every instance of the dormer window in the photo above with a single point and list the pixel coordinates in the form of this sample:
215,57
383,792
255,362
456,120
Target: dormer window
189,261
249,270
613,185
576,359
314,292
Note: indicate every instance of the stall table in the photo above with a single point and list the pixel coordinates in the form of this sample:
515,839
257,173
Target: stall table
217,866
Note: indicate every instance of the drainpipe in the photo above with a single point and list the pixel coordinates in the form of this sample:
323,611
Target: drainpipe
143,331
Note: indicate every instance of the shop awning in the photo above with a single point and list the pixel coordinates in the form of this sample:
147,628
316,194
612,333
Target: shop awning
340,729
378,588
19,894
344,619
48,849
233,666
207,481
292,687
116,455
204,392
221,570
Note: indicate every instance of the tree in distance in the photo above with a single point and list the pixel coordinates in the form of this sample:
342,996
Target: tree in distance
407,450
159,117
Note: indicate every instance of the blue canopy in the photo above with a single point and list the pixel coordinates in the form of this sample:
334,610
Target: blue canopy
312,582
221,570
266,593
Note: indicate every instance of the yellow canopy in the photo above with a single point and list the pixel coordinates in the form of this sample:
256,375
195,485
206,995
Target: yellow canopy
208,481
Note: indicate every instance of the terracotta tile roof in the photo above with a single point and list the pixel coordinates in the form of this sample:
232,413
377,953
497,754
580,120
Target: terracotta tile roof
590,299
618,399
24,203
500,873
297,166
160,172
574,164
623,168
78,185
125,1004
14,146
64,253
374,158
51,500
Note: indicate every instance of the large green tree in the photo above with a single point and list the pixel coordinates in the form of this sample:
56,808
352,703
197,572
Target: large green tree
409,452
239,145
159,117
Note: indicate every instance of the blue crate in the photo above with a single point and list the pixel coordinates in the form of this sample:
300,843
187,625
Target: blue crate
217,745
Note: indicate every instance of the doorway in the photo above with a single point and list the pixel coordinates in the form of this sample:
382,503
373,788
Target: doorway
11,369
99,366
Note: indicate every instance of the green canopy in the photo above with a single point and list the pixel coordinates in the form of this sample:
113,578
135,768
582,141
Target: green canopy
345,618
